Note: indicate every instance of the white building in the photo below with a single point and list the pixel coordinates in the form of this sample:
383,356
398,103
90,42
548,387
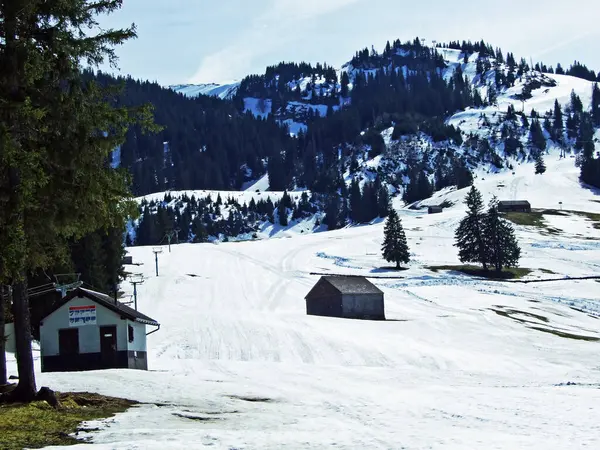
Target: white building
87,330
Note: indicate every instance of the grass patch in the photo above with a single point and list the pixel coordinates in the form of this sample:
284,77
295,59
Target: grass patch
506,274
532,219
593,217
37,424
548,271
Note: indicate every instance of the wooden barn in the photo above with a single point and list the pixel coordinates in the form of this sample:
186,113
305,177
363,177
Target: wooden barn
435,209
514,206
88,330
348,297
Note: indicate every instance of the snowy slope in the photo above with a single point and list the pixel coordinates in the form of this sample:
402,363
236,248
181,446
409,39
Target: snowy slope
223,91
559,184
542,101
463,363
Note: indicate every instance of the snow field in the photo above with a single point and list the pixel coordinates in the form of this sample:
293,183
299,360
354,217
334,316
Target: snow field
461,362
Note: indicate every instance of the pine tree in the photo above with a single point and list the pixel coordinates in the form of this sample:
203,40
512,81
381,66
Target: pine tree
537,135
383,202
469,235
356,202
558,121
596,105
344,84
199,230
332,212
53,159
540,166
395,247
282,213
500,239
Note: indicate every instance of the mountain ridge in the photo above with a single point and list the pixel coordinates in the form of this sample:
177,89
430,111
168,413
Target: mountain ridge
405,123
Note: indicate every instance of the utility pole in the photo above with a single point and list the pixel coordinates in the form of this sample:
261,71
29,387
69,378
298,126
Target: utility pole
171,234
135,280
156,251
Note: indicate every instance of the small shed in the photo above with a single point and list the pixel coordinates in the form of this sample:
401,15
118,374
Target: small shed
88,330
349,297
435,209
514,206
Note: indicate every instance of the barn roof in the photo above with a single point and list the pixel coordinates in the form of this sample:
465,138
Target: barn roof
352,285
513,202
106,301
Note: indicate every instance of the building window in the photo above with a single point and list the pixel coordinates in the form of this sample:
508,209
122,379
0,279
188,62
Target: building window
130,333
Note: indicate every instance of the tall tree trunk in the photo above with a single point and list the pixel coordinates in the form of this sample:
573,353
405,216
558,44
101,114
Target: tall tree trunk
14,73
25,390
3,378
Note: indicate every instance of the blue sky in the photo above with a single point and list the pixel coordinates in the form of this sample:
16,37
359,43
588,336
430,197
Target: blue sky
198,41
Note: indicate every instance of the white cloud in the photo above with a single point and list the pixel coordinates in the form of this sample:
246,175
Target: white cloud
332,30
282,24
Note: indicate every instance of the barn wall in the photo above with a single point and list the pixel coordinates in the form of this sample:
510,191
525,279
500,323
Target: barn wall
330,306
363,306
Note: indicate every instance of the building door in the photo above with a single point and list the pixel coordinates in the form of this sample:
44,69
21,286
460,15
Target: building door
68,349
68,342
108,346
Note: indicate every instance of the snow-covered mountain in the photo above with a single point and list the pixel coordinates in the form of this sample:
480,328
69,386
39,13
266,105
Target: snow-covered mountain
402,123
223,91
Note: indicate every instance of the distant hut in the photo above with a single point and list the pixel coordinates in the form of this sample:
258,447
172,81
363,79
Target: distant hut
514,206
436,209
347,297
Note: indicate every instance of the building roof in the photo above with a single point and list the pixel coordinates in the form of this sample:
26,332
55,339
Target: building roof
514,203
352,285
106,301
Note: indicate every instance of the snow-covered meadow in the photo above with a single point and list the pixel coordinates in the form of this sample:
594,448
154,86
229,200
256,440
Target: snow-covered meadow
461,362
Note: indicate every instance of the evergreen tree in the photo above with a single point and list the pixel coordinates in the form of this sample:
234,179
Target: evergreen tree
53,161
344,84
395,247
356,203
332,212
540,166
558,121
470,234
537,135
282,213
383,202
576,103
596,105
199,230
500,239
